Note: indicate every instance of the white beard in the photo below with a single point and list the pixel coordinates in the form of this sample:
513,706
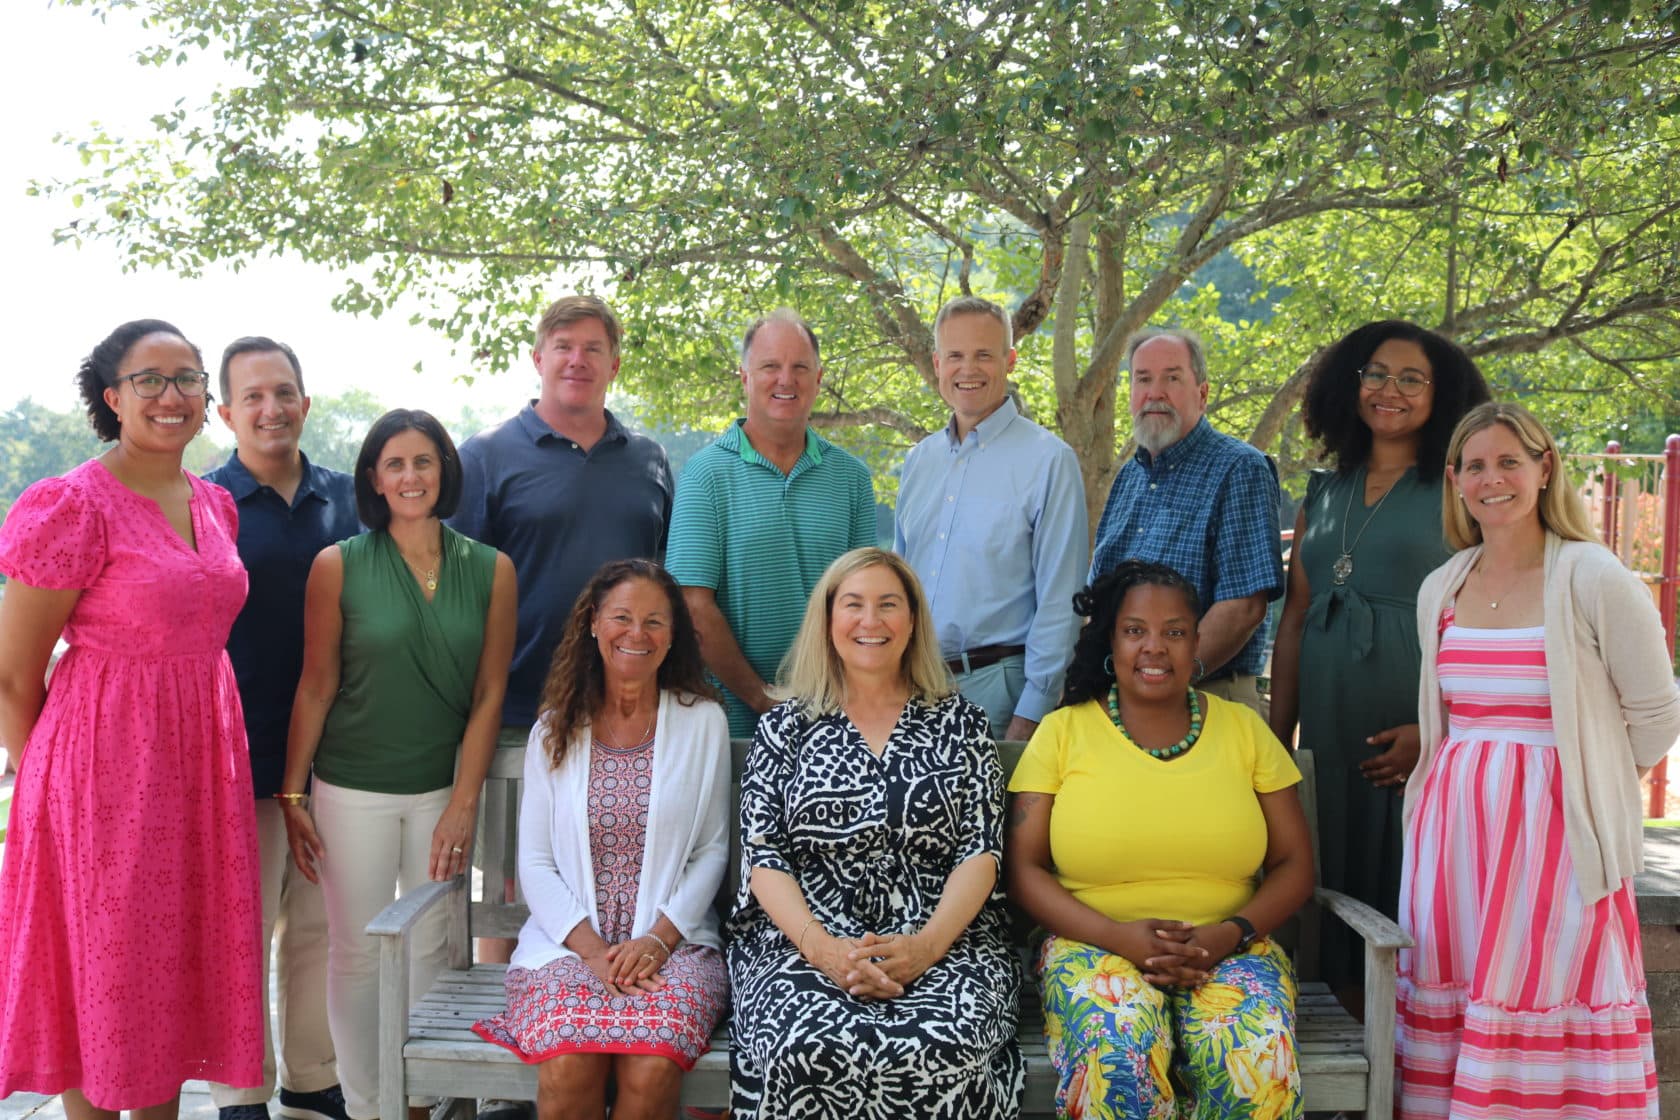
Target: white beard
1157,431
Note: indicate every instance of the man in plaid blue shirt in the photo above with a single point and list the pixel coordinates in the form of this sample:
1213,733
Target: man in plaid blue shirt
1202,502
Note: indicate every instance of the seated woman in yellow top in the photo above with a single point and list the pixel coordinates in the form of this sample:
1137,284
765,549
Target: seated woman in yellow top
1143,811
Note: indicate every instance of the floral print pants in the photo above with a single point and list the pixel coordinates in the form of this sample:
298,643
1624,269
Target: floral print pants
1124,1049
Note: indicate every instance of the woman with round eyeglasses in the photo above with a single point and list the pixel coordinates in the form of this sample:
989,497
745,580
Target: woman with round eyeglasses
129,908
1382,403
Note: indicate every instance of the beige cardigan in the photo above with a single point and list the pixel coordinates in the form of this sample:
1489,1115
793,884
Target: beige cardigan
1614,702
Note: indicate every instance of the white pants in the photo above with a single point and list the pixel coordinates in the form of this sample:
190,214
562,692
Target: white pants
295,927
378,845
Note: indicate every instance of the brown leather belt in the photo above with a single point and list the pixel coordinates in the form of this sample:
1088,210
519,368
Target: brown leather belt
980,657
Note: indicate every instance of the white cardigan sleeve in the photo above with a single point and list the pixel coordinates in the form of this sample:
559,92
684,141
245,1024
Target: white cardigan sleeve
555,905
689,901
1632,646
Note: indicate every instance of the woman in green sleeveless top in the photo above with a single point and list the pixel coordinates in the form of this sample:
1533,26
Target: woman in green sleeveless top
1382,402
408,631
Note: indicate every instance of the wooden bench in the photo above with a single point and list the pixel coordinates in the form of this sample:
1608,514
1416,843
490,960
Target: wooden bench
429,1050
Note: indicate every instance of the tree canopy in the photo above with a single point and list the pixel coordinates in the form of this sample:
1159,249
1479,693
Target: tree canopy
1507,171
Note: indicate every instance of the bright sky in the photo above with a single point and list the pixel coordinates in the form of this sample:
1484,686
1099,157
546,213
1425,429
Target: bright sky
67,69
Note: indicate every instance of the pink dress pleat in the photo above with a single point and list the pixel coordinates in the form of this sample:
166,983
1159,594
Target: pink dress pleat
130,913
1520,1001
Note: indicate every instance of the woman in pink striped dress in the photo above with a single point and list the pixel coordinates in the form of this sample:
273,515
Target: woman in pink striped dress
1546,693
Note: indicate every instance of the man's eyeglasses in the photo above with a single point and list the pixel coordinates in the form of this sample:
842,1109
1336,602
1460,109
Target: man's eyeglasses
1409,382
149,385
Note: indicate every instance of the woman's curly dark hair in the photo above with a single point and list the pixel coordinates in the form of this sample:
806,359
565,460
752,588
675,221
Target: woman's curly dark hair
1330,408
98,371
1087,677
576,684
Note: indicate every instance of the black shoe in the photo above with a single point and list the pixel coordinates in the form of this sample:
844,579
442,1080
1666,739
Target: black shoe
328,1104
243,1112
506,1110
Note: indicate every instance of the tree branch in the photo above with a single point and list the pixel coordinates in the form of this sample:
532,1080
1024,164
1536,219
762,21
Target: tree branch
894,312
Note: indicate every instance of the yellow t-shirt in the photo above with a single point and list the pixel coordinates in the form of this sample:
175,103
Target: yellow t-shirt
1134,837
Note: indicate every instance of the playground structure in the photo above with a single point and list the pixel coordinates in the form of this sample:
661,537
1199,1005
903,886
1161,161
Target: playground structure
1635,499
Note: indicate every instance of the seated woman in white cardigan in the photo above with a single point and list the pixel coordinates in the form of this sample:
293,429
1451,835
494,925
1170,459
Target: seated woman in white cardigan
623,839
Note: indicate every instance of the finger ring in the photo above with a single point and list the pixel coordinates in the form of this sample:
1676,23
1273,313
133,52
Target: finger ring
457,850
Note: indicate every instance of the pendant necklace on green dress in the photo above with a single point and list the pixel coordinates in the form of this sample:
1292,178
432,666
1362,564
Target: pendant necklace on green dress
1162,753
1343,567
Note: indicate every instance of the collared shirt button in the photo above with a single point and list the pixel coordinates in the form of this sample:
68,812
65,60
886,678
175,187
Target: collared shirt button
950,497
942,536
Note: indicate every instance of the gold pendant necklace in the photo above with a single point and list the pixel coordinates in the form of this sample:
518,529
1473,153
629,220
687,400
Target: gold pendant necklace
428,575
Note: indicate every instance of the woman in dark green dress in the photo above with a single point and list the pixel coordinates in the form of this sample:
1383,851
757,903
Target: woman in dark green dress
1382,403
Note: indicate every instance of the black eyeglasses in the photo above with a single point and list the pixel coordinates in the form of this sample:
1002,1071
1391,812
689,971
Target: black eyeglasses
1410,382
149,385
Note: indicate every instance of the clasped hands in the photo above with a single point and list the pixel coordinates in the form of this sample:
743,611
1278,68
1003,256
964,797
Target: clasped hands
873,966
1173,954
629,966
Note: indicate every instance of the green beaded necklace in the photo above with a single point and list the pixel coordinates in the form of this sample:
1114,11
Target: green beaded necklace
1162,753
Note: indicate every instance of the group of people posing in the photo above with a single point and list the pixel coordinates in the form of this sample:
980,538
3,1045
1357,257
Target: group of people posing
1481,683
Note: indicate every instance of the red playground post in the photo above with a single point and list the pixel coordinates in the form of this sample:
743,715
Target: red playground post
1667,589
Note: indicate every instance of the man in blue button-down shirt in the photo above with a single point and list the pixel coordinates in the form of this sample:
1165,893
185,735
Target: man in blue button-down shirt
991,514
1202,502
289,510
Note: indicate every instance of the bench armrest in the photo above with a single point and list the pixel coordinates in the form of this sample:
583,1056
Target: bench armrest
399,917
1383,940
393,926
1378,930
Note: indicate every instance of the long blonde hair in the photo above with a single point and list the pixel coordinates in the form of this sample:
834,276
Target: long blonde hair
1560,507
812,672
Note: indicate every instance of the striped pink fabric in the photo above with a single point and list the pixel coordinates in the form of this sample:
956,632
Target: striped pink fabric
1519,1001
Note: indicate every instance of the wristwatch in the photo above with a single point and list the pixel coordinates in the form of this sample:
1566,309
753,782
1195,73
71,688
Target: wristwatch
1248,931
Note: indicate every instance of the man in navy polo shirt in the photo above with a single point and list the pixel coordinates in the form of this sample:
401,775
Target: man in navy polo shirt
563,487
289,510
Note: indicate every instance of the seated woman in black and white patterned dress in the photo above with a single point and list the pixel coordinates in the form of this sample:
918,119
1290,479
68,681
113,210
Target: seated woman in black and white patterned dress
869,959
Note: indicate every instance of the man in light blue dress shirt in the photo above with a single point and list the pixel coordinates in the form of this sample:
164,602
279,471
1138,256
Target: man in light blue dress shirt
991,514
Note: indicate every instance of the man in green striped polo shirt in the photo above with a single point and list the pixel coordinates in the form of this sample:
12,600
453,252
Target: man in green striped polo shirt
760,513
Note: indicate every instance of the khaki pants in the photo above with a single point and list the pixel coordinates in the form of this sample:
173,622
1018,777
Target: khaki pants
1244,688
295,927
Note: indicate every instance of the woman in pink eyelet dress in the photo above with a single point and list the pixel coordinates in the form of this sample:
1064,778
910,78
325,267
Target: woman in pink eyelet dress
1545,692
129,896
